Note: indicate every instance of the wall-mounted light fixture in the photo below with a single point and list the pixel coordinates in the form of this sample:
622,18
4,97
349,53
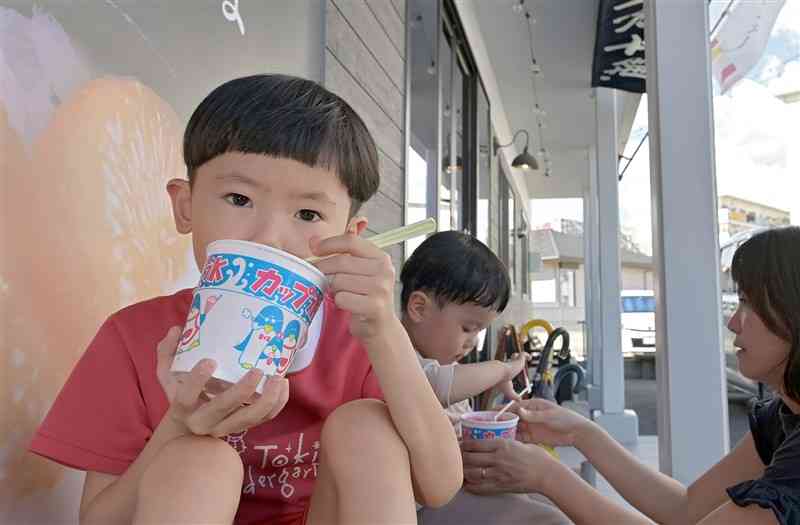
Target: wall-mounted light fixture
523,161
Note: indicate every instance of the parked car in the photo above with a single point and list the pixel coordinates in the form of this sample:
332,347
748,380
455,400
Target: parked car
638,320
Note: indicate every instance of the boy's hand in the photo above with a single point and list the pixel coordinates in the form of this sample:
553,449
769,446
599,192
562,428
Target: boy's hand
514,367
361,281
192,411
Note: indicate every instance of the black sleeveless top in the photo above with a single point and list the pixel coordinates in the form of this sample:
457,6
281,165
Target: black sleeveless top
776,433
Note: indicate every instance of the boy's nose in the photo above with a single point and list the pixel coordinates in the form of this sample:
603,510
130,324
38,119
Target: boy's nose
270,234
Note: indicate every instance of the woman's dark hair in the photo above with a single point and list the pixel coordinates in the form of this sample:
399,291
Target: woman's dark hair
766,269
456,268
285,117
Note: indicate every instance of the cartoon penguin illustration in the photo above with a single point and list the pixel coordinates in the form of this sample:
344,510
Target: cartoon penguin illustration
190,338
263,339
291,336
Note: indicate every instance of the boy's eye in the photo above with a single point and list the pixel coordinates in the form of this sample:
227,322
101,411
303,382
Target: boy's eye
308,215
238,200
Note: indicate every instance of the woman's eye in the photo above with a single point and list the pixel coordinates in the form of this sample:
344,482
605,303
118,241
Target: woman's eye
308,215
237,200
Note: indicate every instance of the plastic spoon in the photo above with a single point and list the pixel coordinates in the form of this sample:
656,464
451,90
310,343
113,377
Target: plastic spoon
403,233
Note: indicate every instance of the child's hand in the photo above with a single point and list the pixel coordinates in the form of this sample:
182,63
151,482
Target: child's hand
513,368
193,412
361,280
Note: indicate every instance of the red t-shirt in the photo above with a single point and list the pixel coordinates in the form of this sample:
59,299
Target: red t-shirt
113,401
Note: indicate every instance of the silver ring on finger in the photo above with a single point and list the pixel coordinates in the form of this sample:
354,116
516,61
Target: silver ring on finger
483,472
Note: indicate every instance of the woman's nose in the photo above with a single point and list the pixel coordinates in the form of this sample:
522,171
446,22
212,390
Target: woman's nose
733,322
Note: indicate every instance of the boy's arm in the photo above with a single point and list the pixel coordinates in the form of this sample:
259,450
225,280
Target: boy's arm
474,378
417,415
361,279
112,499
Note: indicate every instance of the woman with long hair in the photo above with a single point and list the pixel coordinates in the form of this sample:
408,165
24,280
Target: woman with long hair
758,482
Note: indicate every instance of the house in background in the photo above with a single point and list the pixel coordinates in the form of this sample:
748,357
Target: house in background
737,215
557,276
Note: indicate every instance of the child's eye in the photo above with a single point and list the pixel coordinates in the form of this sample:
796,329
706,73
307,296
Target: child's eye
238,200
308,215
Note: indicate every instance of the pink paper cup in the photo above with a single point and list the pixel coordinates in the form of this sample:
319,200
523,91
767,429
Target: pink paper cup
252,309
481,425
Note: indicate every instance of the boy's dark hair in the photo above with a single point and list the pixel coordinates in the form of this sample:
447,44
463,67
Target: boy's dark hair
456,268
288,117
766,269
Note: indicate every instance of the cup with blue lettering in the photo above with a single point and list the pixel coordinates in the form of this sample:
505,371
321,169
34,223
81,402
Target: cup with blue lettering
482,425
252,309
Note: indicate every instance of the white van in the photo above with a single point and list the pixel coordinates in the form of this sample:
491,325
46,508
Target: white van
638,320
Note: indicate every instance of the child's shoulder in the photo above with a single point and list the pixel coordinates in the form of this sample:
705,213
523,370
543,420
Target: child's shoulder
165,309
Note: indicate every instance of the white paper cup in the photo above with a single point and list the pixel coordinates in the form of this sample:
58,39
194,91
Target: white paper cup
252,309
481,425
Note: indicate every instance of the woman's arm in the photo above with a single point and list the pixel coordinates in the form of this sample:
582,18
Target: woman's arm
660,497
503,465
657,495
729,513
708,492
583,503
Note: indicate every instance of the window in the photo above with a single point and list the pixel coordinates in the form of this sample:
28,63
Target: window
416,194
422,170
511,235
452,176
484,138
566,286
543,290
524,269
638,304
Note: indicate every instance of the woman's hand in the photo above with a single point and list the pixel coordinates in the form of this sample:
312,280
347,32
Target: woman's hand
545,422
493,466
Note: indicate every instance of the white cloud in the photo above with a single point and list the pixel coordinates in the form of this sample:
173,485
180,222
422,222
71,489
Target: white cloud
757,153
788,82
789,18
755,136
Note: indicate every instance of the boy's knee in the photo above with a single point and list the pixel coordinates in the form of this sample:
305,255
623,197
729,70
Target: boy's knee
369,418
194,457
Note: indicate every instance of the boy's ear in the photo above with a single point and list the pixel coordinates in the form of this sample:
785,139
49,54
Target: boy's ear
357,225
418,306
181,196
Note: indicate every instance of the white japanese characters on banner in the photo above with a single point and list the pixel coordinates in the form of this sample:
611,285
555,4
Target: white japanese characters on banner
619,49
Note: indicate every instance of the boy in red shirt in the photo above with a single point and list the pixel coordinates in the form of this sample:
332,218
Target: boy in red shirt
280,161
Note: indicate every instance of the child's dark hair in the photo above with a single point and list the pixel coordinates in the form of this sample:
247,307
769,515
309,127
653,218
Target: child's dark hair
288,117
456,268
766,269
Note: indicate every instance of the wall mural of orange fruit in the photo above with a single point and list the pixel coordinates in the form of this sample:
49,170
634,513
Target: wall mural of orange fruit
91,228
